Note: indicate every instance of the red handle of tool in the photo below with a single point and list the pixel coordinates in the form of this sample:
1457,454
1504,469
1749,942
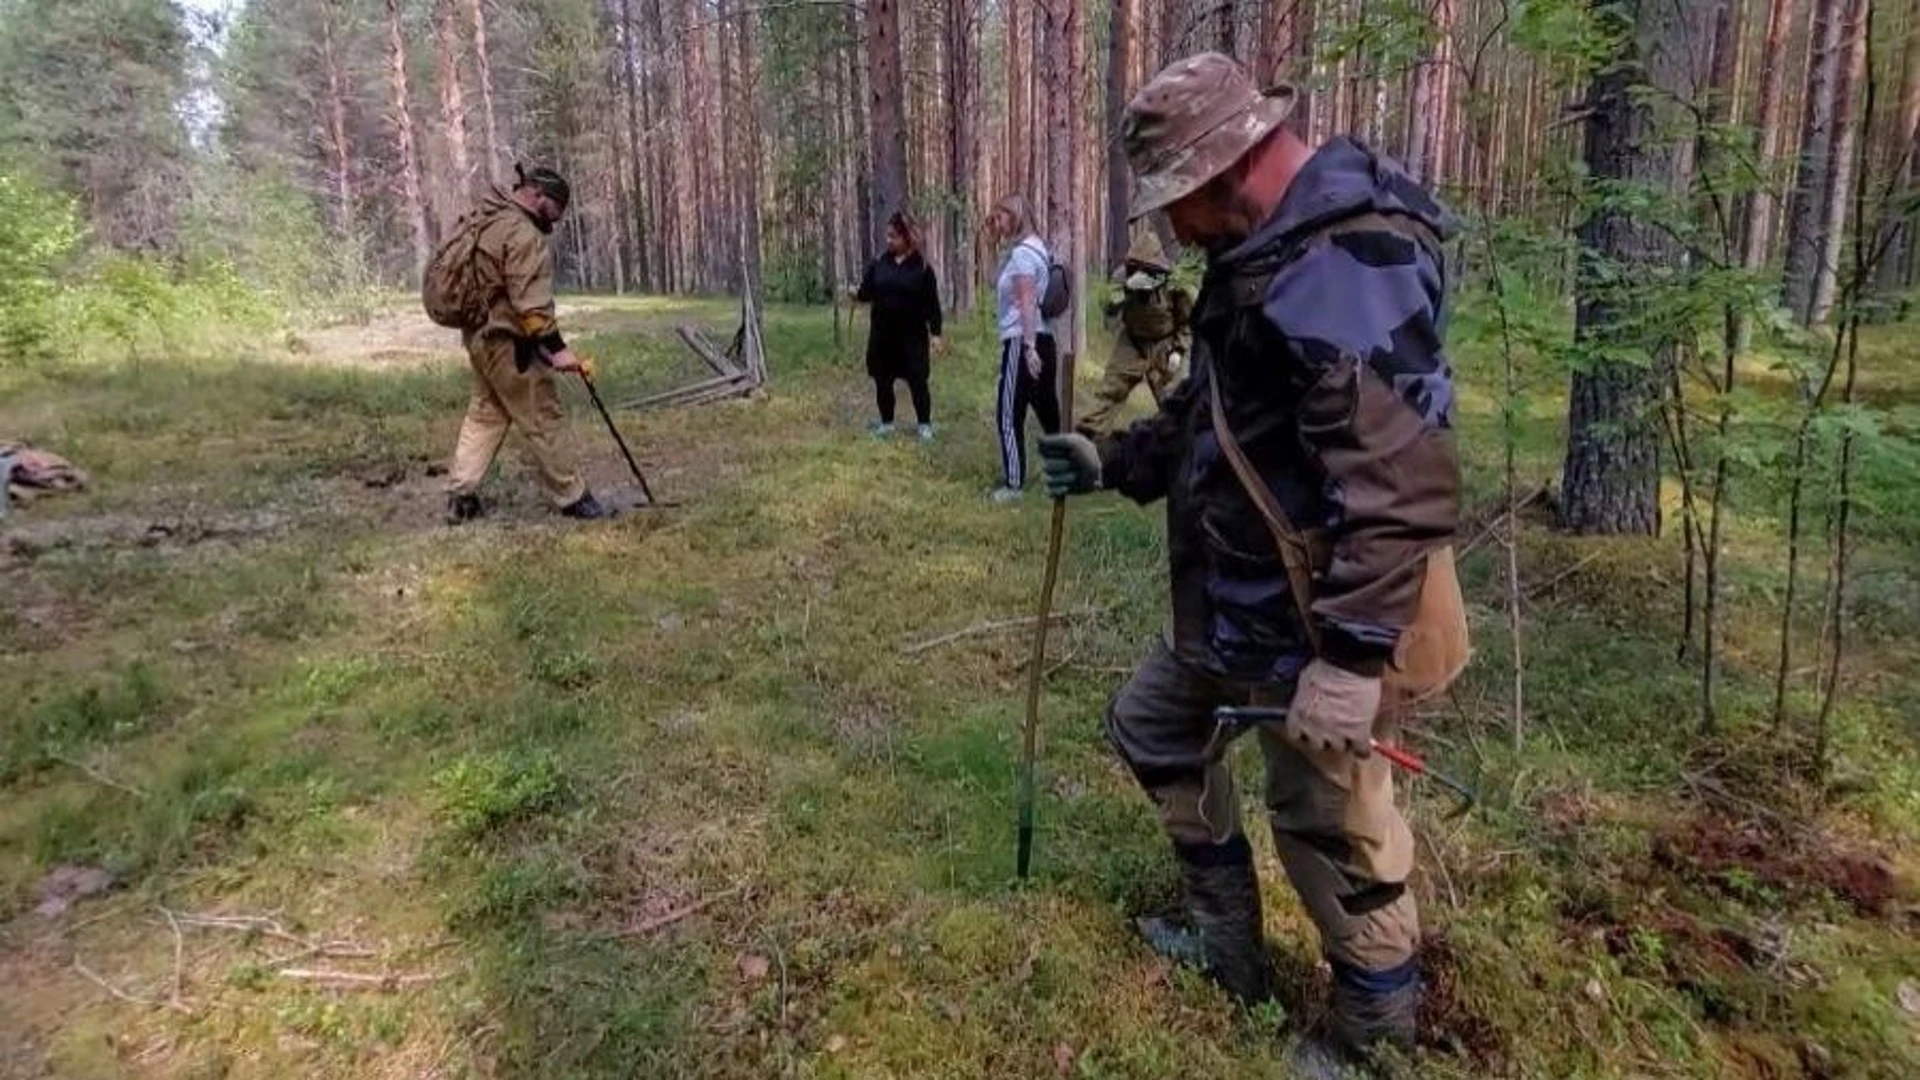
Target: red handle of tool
1400,757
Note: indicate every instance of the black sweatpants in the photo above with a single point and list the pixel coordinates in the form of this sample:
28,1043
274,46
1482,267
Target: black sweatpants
1020,390
917,388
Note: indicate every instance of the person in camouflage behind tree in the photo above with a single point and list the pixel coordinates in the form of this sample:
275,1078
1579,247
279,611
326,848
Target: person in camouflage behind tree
1153,315
1318,333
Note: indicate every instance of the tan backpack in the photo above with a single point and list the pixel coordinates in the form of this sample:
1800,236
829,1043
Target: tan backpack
1433,648
451,290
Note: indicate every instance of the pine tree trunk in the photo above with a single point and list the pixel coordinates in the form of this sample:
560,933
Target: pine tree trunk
885,94
1902,146
1842,162
1061,56
339,146
669,206
1440,98
1276,19
862,153
1303,58
1808,213
1611,480
1226,27
1019,142
637,211
751,153
962,134
401,116
453,111
1119,185
483,70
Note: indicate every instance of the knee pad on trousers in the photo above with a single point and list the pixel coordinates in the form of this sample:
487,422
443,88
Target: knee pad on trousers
1372,926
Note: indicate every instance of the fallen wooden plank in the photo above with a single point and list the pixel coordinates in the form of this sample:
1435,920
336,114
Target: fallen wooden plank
689,390
702,347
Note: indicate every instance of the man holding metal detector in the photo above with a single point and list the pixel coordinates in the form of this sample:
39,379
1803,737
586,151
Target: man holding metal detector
493,280
1312,491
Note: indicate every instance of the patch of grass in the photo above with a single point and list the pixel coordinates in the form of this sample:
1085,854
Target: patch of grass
665,797
116,706
482,794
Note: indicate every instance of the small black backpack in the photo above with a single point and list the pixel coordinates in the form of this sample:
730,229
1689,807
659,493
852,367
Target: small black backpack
1058,294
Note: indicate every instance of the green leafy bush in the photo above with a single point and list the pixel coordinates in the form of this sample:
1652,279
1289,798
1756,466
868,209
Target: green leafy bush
38,233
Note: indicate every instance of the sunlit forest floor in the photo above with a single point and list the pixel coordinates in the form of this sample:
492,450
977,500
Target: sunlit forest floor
666,798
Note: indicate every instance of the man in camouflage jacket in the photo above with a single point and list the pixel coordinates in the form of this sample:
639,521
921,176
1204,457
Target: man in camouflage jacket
516,351
1153,314
1321,319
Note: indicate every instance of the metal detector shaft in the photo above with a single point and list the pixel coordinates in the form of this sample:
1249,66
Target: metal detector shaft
594,393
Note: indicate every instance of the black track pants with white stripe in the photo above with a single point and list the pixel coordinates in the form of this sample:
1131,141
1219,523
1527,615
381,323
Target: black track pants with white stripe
1019,391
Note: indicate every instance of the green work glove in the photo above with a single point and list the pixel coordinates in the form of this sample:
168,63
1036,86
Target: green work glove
1070,464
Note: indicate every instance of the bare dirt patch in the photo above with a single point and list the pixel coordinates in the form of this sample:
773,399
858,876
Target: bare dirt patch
1730,855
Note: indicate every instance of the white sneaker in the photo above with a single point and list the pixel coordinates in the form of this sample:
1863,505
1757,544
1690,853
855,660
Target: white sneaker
880,431
1005,494
926,432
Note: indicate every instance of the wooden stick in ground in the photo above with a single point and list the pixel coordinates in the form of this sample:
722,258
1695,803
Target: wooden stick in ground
1037,663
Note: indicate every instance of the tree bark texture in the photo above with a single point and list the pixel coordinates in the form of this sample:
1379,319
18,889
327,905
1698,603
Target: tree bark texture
401,117
1634,136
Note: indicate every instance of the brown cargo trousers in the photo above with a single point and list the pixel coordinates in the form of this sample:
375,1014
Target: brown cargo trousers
504,397
1130,365
1344,845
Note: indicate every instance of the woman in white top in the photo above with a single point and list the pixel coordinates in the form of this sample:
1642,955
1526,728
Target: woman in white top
1028,360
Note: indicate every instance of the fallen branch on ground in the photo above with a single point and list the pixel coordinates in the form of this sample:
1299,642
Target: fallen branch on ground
1535,590
118,994
97,775
308,948
351,980
1499,519
662,921
996,626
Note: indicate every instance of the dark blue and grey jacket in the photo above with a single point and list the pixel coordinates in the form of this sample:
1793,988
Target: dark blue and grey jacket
1325,330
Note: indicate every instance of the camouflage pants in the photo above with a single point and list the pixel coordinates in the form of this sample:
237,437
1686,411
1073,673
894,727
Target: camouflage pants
504,397
1130,365
1344,845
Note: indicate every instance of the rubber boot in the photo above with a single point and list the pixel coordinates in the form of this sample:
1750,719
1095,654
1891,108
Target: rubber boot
1372,1014
1225,938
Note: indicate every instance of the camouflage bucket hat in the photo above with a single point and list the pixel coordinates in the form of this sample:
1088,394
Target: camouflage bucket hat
1191,123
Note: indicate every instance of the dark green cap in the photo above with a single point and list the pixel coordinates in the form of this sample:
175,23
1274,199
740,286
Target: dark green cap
546,181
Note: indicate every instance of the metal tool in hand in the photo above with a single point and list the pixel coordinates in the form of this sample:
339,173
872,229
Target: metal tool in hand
1232,721
594,393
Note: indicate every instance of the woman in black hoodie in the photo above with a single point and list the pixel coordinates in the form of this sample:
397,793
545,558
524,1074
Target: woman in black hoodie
906,321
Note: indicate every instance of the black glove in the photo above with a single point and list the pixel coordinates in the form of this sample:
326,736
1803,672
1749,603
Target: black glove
1070,464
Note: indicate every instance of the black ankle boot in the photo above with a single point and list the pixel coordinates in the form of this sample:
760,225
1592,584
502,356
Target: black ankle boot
463,508
1225,938
588,508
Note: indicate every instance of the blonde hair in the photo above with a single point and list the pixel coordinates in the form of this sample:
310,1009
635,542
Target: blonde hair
1016,207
